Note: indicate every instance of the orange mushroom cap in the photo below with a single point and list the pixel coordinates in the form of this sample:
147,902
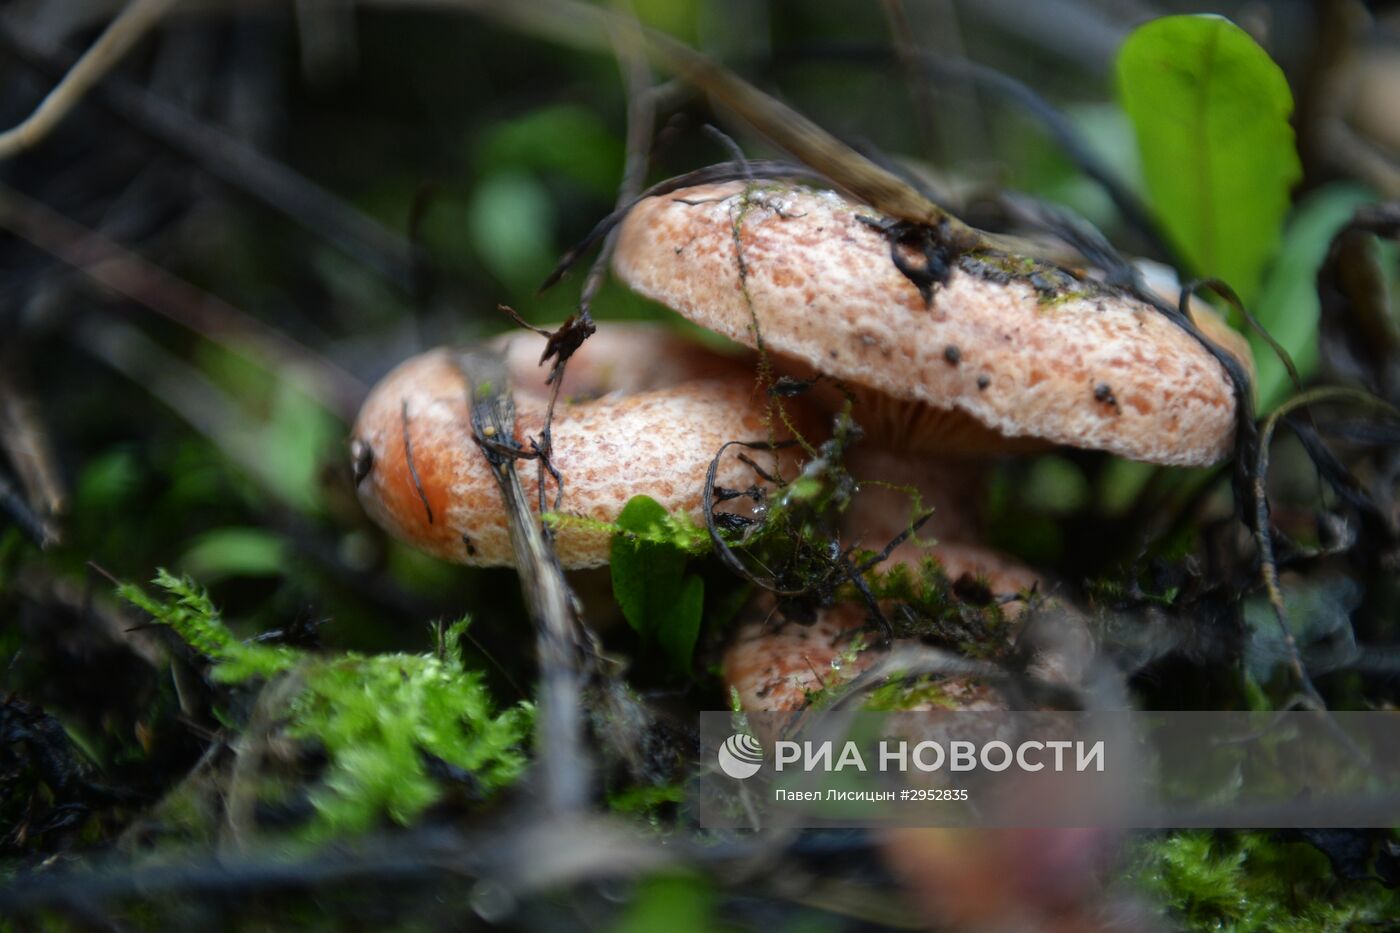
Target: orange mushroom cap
1009,347
643,412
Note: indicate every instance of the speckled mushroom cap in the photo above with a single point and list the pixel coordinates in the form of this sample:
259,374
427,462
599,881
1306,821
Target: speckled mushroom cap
644,413
776,664
1022,348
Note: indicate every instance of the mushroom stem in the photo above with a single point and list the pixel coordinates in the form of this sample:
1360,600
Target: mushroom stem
885,502
883,508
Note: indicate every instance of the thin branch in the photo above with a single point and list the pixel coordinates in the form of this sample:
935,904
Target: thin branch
579,25
1263,537
137,19
641,124
942,69
907,51
180,386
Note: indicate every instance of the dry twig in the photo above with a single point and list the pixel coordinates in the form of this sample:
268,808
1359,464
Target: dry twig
137,19
565,765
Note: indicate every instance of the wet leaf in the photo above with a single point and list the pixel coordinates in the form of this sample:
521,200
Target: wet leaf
1211,110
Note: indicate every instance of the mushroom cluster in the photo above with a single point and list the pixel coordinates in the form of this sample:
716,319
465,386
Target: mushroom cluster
1008,354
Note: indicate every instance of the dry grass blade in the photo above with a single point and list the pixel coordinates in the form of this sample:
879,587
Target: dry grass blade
231,160
24,438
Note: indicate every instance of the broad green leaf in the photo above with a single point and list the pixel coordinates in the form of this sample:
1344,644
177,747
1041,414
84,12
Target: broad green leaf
1288,305
1210,110
650,583
681,626
645,574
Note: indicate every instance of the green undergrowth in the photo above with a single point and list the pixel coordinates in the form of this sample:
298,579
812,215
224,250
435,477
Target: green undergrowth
394,729
1251,881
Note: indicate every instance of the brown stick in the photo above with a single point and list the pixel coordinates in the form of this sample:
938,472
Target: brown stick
563,762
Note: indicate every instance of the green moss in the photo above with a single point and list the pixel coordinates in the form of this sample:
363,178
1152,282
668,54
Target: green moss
645,799
390,725
188,610
928,608
1250,881
900,694
676,529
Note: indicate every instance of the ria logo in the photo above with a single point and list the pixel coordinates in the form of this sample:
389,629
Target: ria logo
740,756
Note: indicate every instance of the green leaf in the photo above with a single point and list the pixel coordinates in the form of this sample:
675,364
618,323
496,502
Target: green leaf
644,573
1288,305
681,627
649,580
233,552
1211,110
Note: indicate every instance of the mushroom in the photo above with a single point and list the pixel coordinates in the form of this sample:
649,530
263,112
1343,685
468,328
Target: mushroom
1007,349
642,412
776,665
1008,354
990,879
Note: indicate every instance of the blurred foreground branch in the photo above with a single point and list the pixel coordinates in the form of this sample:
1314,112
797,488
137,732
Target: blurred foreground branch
111,266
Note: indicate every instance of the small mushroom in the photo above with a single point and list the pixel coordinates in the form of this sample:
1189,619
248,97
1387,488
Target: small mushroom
775,664
962,878
642,412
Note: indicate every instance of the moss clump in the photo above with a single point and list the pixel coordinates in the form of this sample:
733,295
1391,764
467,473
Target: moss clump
1250,881
927,605
394,728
